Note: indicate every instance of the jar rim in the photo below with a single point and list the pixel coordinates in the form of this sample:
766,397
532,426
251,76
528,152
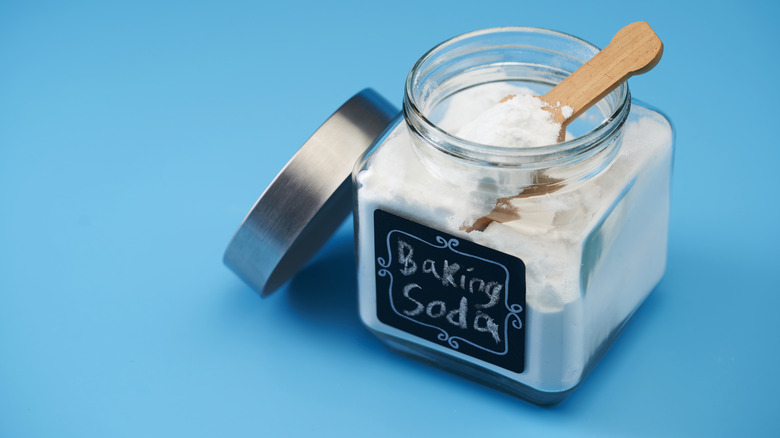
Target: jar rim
466,149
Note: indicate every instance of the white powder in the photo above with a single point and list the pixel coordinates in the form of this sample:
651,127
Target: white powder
567,111
592,251
520,121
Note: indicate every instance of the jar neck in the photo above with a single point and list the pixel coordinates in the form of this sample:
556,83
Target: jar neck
534,58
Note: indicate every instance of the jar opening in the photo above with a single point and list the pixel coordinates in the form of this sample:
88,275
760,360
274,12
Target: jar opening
534,58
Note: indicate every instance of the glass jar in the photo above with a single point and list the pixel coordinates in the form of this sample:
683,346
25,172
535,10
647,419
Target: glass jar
517,267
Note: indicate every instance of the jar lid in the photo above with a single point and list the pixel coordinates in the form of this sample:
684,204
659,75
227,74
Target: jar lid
309,199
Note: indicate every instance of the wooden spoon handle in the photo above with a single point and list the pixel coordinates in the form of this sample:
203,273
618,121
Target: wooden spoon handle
634,50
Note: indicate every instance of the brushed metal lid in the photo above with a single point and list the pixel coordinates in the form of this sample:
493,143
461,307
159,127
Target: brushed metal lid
309,198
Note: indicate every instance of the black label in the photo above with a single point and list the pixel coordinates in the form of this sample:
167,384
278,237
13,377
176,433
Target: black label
450,291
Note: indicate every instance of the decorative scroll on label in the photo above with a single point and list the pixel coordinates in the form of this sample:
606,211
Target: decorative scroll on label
450,291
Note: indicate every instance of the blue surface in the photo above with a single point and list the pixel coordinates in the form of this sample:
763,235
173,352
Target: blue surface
134,137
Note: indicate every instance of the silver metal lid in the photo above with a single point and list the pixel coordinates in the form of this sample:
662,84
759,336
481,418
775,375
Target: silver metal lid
309,198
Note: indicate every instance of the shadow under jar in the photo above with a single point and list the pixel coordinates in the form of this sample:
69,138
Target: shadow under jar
530,302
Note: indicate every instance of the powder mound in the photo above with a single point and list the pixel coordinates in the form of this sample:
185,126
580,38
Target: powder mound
517,122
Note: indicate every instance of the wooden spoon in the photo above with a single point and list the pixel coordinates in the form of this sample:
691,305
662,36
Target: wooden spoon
634,50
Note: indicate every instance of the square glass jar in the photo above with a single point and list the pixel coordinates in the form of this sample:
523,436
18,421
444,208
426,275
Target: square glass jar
517,267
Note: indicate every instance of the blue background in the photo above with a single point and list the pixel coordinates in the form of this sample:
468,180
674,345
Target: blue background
134,136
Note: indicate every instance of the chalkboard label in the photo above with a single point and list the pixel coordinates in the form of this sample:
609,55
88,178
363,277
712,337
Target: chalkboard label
450,291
